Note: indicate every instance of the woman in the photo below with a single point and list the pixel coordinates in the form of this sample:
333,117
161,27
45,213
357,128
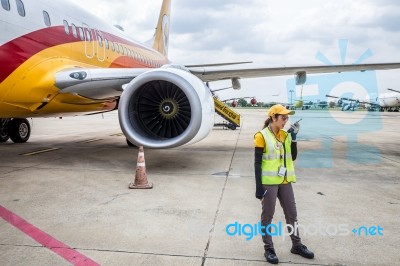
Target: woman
275,151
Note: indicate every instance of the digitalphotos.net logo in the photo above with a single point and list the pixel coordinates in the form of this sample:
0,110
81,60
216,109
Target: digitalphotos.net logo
249,231
341,85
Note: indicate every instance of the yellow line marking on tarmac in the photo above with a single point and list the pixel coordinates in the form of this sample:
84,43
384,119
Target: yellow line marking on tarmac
89,140
40,151
117,135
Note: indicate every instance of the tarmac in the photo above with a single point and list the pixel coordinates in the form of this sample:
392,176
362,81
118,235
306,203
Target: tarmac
71,204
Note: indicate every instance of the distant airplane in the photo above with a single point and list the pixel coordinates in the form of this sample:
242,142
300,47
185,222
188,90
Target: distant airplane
59,60
346,104
388,101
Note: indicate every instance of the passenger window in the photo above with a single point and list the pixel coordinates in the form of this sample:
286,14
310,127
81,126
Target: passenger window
88,35
100,40
20,8
74,31
66,27
106,42
5,4
81,34
46,18
112,46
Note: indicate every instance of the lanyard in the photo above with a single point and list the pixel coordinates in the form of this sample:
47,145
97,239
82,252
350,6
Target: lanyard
281,147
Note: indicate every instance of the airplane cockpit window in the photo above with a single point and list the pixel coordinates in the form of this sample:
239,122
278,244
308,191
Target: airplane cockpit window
66,26
74,31
46,18
5,4
20,8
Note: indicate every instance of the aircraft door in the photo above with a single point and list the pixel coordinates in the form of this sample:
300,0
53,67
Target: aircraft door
89,41
101,46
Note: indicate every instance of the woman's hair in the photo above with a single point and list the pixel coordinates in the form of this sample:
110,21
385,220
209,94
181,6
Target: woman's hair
269,120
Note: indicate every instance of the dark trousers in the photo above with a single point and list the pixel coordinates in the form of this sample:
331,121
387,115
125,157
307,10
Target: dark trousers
285,195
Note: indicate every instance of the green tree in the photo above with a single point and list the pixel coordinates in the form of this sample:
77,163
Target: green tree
242,102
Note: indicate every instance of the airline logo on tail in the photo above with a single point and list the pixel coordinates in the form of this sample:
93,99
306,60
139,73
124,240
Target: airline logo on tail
161,38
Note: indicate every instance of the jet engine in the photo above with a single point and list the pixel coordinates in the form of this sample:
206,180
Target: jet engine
165,108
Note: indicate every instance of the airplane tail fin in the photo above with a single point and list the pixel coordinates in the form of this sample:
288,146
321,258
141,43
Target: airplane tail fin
161,37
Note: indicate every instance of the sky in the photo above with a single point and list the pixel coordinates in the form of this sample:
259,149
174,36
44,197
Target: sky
268,33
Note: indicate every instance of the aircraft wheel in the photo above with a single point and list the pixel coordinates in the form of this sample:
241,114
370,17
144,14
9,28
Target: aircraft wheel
19,130
4,135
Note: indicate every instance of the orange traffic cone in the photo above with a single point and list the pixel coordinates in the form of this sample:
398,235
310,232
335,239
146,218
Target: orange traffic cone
141,176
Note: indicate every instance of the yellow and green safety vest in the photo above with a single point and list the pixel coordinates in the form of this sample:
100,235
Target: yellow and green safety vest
278,154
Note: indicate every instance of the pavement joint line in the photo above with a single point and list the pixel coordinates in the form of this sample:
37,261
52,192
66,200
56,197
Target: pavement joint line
108,170
220,200
22,245
36,166
390,159
165,254
255,260
139,252
40,151
4,175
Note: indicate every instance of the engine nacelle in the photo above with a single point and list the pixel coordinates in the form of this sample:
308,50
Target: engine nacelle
165,108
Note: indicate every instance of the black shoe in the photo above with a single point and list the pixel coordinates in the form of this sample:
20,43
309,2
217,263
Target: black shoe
271,257
302,251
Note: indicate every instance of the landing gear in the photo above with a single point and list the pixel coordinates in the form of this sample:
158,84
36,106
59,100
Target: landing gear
17,129
4,136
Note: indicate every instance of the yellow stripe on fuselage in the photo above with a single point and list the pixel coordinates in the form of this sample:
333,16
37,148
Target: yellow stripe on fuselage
32,83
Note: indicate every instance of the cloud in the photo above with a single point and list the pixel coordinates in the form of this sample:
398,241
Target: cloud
271,33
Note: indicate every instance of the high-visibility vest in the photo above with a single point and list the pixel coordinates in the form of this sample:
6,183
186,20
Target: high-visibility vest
279,154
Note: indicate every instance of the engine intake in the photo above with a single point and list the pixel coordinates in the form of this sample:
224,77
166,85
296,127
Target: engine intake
166,108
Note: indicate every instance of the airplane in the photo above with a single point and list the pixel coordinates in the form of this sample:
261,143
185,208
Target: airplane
389,101
346,104
59,60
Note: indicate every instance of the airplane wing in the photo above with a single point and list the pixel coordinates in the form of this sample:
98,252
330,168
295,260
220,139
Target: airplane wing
394,90
217,73
100,83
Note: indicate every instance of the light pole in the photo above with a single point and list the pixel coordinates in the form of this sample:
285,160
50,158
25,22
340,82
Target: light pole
291,99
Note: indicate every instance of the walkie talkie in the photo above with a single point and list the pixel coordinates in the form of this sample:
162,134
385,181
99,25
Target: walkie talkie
291,129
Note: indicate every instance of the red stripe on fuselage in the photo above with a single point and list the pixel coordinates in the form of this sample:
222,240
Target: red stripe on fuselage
16,52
